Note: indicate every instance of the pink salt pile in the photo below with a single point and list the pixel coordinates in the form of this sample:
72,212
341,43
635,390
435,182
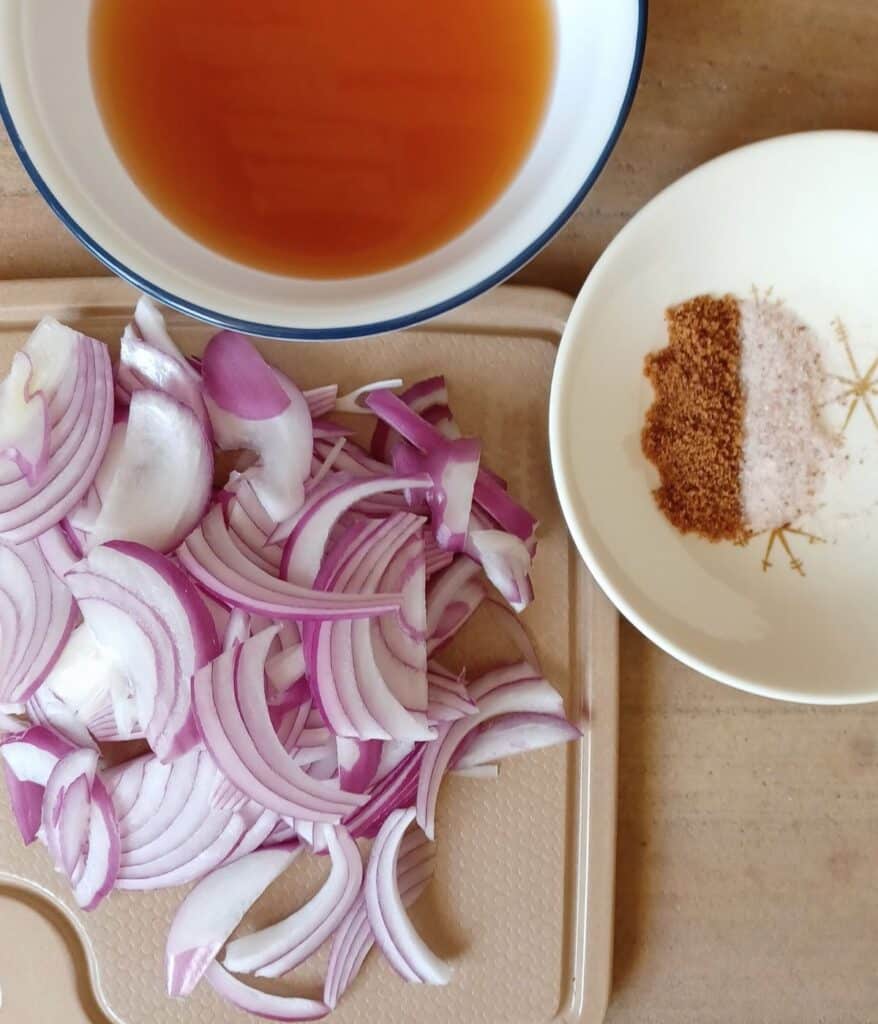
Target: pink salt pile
786,446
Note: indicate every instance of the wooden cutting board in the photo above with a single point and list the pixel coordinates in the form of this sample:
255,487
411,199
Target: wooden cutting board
523,894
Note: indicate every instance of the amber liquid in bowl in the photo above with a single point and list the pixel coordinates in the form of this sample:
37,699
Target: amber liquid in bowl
322,138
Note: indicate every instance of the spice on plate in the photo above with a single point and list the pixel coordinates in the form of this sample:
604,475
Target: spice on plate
735,429
694,429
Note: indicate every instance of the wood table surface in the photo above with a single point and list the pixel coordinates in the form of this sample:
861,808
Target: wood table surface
748,830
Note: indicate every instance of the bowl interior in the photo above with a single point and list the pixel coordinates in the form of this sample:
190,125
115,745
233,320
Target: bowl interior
45,78
797,215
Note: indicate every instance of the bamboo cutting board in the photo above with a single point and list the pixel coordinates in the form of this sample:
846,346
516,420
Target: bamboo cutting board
523,894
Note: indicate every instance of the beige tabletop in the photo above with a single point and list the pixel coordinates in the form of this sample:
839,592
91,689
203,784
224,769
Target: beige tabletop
748,830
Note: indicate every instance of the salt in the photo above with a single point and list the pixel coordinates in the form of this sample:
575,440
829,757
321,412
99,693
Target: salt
786,446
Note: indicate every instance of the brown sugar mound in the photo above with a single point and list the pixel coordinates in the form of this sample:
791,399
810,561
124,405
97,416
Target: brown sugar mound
694,430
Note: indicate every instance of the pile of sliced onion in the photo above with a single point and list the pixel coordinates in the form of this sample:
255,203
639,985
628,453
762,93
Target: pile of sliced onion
270,641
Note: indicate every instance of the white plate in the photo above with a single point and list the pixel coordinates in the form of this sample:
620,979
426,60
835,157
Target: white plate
798,215
48,106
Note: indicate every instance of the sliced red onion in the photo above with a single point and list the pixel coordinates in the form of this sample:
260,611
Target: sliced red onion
149,359
226,569
398,788
237,629
25,430
73,374
10,725
346,679
510,690
98,872
355,462
393,753
162,478
141,606
429,398
513,734
45,709
407,952
306,544
321,401
60,549
86,693
281,947
189,843
250,408
435,558
351,403
80,827
358,762
453,467
214,909
29,757
448,698
247,526
354,938
232,711
488,493
506,560
66,807
452,599
321,469
285,669
37,615
262,1004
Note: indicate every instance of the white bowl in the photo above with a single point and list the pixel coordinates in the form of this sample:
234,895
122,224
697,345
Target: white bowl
50,112
799,215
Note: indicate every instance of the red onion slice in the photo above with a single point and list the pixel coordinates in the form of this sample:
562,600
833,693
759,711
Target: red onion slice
66,807
358,762
354,937
213,910
25,429
37,615
100,867
452,599
423,435
516,733
262,1004
29,757
306,544
161,481
279,948
149,359
397,788
448,698
60,548
86,694
453,467
510,690
250,408
232,711
141,606
210,556
407,952
428,398
506,560
345,677
81,412
321,401
196,840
